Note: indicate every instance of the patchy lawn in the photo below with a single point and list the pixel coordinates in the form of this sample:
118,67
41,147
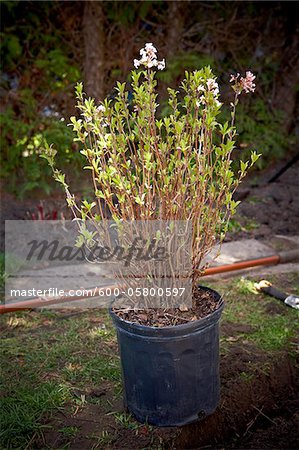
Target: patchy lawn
61,382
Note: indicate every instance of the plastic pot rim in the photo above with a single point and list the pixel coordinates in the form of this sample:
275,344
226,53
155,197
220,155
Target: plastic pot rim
172,330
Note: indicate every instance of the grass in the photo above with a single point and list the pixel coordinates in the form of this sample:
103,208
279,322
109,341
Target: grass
245,305
52,360
46,359
246,376
125,420
2,275
69,431
103,440
23,408
242,223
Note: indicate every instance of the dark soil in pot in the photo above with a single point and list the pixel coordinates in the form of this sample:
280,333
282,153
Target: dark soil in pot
205,302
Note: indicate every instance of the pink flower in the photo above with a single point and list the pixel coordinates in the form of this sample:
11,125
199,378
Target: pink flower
247,82
243,84
234,77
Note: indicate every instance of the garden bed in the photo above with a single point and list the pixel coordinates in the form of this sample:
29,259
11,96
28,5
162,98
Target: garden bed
62,385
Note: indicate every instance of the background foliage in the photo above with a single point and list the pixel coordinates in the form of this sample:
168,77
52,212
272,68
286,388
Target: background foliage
45,50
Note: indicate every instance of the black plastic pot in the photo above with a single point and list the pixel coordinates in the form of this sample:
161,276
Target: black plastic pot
170,374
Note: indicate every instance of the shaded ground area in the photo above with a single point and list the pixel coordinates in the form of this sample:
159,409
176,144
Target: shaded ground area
262,403
61,383
268,208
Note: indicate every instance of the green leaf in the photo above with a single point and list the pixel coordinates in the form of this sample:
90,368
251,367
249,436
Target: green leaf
244,166
255,157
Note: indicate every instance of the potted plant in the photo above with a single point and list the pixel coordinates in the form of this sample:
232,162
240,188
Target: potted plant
176,168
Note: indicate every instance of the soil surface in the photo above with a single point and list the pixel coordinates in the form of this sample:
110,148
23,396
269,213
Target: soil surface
257,411
268,208
206,302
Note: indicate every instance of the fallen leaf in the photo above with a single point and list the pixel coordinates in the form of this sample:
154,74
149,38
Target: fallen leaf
142,316
232,339
183,308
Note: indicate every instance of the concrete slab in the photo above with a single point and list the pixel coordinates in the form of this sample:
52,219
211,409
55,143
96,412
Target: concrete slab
246,249
232,252
67,277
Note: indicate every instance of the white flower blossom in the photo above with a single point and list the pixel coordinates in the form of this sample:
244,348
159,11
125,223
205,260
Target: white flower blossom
213,86
152,63
149,47
149,58
101,108
210,87
161,64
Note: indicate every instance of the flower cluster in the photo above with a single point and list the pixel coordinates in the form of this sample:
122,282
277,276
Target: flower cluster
212,88
149,58
243,84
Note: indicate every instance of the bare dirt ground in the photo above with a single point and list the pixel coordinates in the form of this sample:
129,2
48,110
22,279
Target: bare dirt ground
255,413
269,208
